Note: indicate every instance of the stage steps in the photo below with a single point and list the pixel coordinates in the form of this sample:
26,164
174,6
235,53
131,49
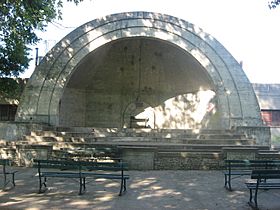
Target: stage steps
162,144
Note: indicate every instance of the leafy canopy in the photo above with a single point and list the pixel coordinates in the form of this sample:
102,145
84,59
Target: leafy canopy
273,4
19,19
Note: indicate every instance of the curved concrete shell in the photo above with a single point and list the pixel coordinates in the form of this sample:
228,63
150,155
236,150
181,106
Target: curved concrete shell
150,69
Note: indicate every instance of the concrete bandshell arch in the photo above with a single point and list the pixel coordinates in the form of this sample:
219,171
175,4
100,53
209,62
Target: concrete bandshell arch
238,105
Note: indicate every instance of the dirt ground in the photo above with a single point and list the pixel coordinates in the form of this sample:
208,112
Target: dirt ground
194,190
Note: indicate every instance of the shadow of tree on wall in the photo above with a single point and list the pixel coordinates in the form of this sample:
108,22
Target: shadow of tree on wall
186,111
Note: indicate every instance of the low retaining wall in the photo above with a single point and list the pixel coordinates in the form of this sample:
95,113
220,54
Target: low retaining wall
148,158
12,131
188,161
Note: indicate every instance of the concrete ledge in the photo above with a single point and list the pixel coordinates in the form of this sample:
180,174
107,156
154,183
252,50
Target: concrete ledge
232,153
138,158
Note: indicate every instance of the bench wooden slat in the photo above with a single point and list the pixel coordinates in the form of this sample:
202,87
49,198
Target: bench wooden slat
109,176
269,174
238,173
64,175
263,185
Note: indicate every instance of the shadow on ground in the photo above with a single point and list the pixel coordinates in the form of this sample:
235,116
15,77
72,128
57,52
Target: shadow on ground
194,190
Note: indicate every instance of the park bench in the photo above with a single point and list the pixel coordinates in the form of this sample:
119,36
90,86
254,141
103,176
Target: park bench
8,174
80,171
260,184
238,168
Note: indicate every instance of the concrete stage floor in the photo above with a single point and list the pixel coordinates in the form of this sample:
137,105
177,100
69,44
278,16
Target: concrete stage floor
194,190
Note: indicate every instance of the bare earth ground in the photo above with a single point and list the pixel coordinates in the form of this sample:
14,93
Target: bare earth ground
195,190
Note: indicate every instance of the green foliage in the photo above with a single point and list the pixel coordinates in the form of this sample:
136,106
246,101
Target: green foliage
11,89
19,19
273,4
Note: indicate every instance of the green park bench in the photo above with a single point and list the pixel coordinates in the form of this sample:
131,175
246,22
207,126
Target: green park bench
80,170
260,184
8,174
238,168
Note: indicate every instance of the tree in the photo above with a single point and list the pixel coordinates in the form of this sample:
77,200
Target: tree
11,89
19,19
273,4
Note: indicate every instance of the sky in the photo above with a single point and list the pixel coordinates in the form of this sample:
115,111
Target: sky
248,29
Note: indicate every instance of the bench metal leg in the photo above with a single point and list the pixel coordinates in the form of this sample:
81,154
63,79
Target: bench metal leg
121,189
251,203
225,181
45,181
254,204
228,182
41,184
82,185
256,198
250,199
13,179
124,185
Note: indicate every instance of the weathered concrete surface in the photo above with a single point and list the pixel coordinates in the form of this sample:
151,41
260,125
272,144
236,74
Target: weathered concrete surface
118,66
275,136
11,131
188,190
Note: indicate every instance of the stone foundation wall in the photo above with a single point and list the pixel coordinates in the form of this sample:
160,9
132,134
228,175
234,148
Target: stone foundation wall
148,158
195,161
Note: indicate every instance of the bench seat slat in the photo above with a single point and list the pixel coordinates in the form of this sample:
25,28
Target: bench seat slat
263,186
238,172
11,172
57,174
77,175
109,176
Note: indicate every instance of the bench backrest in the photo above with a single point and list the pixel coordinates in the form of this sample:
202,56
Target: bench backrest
80,165
265,174
56,164
5,162
251,164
